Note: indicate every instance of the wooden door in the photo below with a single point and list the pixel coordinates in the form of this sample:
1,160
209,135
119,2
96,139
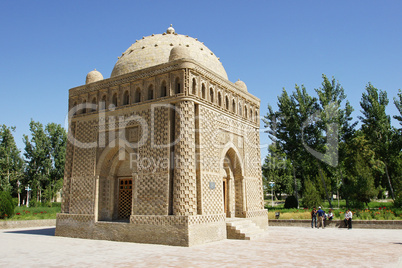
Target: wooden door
125,197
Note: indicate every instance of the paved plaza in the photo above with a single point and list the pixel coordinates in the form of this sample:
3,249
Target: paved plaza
279,247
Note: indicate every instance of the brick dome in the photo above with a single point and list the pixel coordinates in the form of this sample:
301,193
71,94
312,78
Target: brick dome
93,76
155,49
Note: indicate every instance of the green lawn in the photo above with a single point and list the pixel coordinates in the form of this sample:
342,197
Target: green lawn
376,210
34,213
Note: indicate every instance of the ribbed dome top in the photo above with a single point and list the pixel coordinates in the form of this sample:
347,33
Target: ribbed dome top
155,49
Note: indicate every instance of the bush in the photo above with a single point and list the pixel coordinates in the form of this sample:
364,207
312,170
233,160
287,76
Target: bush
6,205
44,204
15,201
56,205
398,202
290,202
311,197
356,204
32,203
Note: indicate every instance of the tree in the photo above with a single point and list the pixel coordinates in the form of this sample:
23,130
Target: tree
335,121
398,104
376,126
277,168
58,139
11,163
45,157
286,127
397,161
311,197
361,165
6,205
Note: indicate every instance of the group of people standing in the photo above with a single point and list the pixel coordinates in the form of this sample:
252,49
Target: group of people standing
321,216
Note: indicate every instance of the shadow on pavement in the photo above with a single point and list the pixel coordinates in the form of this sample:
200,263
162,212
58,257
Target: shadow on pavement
45,231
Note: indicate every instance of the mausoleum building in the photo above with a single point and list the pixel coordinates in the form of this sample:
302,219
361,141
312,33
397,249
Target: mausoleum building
164,151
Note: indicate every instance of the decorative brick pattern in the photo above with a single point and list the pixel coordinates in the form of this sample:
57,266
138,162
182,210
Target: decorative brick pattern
203,219
212,198
176,220
68,171
239,197
208,142
82,189
255,199
258,213
104,198
184,193
252,157
76,217
151,194
84,155
159,220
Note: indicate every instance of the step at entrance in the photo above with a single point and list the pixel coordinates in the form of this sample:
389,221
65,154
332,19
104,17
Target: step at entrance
243,229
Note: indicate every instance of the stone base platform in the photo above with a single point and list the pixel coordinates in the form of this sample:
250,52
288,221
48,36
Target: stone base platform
152,229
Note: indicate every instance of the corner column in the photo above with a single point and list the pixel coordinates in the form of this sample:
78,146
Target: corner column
184,183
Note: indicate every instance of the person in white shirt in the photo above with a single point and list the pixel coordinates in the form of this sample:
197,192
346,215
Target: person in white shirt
330,216
348,219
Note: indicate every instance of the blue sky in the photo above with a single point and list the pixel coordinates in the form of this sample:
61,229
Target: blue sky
48,47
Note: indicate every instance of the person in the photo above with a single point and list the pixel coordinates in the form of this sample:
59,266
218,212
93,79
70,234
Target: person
320,214
330,215
314,218
348,219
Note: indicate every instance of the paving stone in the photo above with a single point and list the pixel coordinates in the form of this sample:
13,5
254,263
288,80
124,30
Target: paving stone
281,247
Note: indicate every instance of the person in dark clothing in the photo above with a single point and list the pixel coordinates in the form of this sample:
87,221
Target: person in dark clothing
314,218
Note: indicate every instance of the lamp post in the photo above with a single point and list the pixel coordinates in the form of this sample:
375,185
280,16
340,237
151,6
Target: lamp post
28,190
272,184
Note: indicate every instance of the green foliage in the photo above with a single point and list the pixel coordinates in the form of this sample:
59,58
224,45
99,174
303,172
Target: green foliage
291,202
277,169
298,129
398,201
6,205
33,203
398,105
15,202
11,163
56,205
357,165
45,157
287,131
311,197
360,162
35,213
376,127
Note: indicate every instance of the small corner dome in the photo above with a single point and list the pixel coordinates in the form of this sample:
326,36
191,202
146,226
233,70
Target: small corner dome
240,84
179,52
93,76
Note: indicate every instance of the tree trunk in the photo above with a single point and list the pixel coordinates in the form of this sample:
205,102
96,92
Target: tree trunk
389,182
342,181
18,191
294,177
325,185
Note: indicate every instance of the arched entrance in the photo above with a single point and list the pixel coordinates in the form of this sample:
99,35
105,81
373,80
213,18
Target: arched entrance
115,185
232,185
